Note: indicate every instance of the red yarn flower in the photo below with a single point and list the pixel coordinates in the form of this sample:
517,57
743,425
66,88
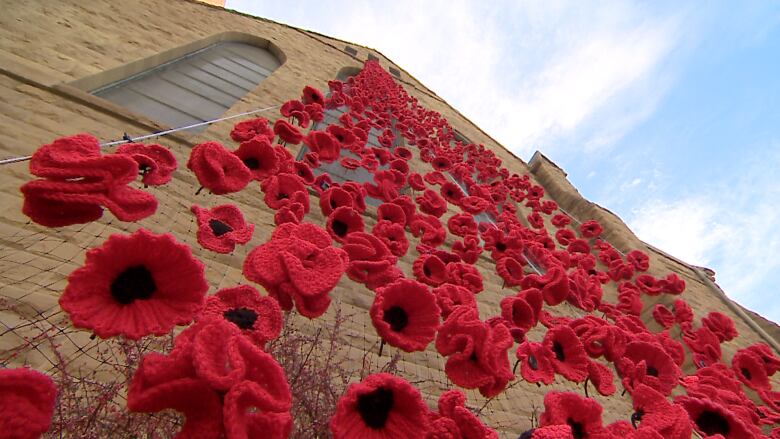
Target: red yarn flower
429,229
510,270
248,129
663,315
721,325
452,192
570,359
554,284
430,269
405,315
522,310
477,352
258,317
285,190
536,362
449,296
288,132
324,144
222,227
710,418
590,229
462,224
344,221
583,415
298,264
79,182
370,260
432,203
381,406
135,285
468,249
465,275
220,381
27,400
656,414
649,364
312,96
218,169
259,156
452,406
155,162
393,235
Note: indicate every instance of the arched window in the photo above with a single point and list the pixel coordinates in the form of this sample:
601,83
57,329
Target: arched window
196,87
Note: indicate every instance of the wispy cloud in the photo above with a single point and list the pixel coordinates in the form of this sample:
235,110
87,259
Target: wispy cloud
528,73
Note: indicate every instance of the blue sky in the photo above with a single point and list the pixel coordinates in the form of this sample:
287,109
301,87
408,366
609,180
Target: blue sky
666,113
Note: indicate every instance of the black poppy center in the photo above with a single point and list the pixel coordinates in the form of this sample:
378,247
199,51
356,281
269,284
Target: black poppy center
374,407
637,417
219,228
426,270
282,196
746,373
397,318
473,357
711,423
558,349
340,227
652,371
135,282
577,430
244,318
500,246
528,434
533,363
252,162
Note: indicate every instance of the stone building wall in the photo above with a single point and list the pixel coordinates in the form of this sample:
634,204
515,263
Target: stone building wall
51,51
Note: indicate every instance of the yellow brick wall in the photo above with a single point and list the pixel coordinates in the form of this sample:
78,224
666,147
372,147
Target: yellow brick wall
48,45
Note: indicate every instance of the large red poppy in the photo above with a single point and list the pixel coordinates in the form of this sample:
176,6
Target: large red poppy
221,228
27,399
583,415
405,315
536,362
259,156
656,414
381,406
648,363
570,359
393,235
135,285
452,405
710,418
248,129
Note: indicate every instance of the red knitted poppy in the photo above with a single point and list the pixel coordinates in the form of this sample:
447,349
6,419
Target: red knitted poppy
284,190
510,270
248,129
477,352
287,132
381,406
590,229
465,275
221,228
432,203
135,285
430,269
452,405
721,325
468,249
536,362
462,224
583,415
298,264
569,359
217,169
259,156
649,364
27,400
370,260
429,229
405,315
655,413
258,317
452,192
324,144
449,296
523,309
155,162
80,181
554,284
710,418
343,221
393,235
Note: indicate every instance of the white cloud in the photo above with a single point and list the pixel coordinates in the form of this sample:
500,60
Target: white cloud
527,73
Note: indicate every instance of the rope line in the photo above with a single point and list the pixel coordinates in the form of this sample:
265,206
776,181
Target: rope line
128,139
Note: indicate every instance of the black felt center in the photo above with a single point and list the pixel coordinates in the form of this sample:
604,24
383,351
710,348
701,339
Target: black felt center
577,430
528,434
219,228
396,317
500,246
746,373
426,270
244,318
340,228
533,363
252,163
558,349
711,423
652,371
374,407
135,282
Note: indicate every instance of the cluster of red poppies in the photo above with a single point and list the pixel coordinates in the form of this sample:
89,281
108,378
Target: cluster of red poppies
218,374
